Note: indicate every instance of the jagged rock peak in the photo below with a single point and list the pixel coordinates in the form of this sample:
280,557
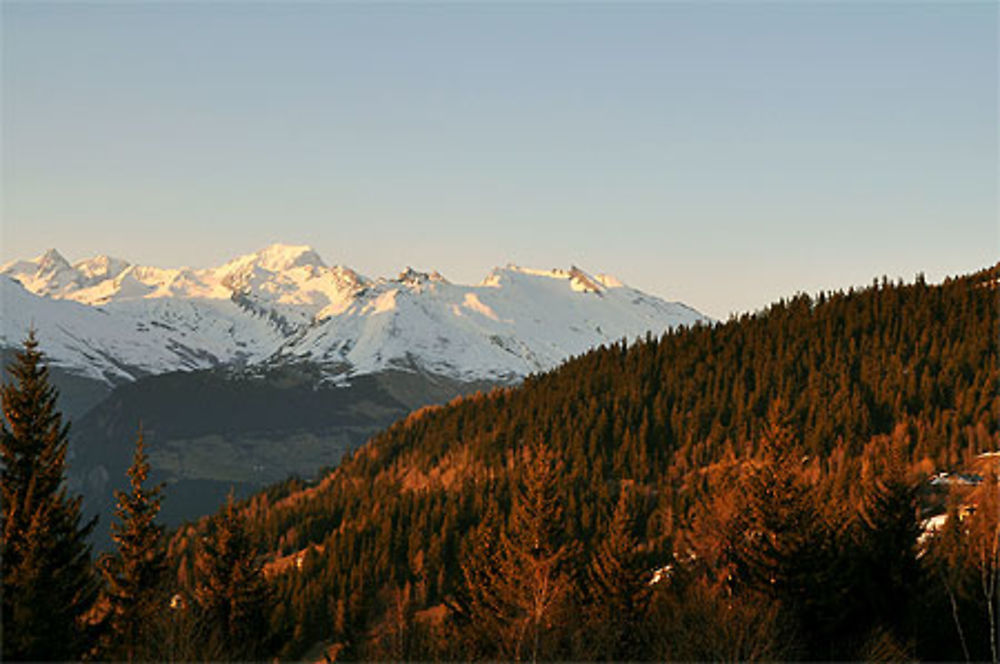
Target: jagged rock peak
412,277
52,260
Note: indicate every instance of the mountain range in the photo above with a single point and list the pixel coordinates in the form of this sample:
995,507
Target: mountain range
275,363
110,320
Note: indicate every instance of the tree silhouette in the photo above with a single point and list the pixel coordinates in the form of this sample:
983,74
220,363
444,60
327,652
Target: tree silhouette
48,581
135,575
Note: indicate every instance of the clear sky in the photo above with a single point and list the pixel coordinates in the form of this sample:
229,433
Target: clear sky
723,155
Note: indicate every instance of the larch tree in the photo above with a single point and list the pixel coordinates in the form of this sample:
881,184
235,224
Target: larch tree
518,580
48,581
536,561
535,564
135,575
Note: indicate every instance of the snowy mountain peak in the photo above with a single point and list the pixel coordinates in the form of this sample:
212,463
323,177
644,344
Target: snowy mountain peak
48,274
276,258
52,261
415,278
577,279
582,281
100,267
283,303
282,257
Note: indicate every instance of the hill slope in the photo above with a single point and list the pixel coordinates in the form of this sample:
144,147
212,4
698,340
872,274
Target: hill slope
667,415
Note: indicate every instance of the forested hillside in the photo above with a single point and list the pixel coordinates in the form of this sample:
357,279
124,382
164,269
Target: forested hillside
869,393
755,489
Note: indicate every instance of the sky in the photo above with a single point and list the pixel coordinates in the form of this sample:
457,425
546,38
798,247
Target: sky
719,154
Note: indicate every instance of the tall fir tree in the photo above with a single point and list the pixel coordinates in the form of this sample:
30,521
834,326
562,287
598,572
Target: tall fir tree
477,608
231,594
537,560
885,564
48,579
618,592
779,545
135,575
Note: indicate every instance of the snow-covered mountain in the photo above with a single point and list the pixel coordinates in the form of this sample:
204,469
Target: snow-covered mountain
108,319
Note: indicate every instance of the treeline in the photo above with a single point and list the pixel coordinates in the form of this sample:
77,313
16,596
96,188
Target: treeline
749,490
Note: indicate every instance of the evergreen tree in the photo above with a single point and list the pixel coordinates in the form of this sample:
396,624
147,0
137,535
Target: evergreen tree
778,543
135,576
886,570
48,580
618,593
232,596
476,608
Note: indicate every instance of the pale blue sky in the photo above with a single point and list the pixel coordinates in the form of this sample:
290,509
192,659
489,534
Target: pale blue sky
719,154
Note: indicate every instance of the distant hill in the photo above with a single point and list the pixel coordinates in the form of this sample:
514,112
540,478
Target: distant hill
212,430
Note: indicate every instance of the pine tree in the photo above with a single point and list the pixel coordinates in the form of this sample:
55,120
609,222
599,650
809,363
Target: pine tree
618,592
778,543
535,561
135,576
886,569
48,580
232,596
775,522
476,608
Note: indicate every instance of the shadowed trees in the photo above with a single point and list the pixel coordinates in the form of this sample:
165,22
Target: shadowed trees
49,583
617,591
135,574
233,601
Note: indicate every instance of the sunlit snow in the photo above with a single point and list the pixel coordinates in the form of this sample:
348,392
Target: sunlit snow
106,318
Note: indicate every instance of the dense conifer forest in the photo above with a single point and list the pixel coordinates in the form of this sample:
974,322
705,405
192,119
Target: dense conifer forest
757,489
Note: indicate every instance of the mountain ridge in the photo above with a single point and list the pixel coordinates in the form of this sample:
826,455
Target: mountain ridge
114,321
